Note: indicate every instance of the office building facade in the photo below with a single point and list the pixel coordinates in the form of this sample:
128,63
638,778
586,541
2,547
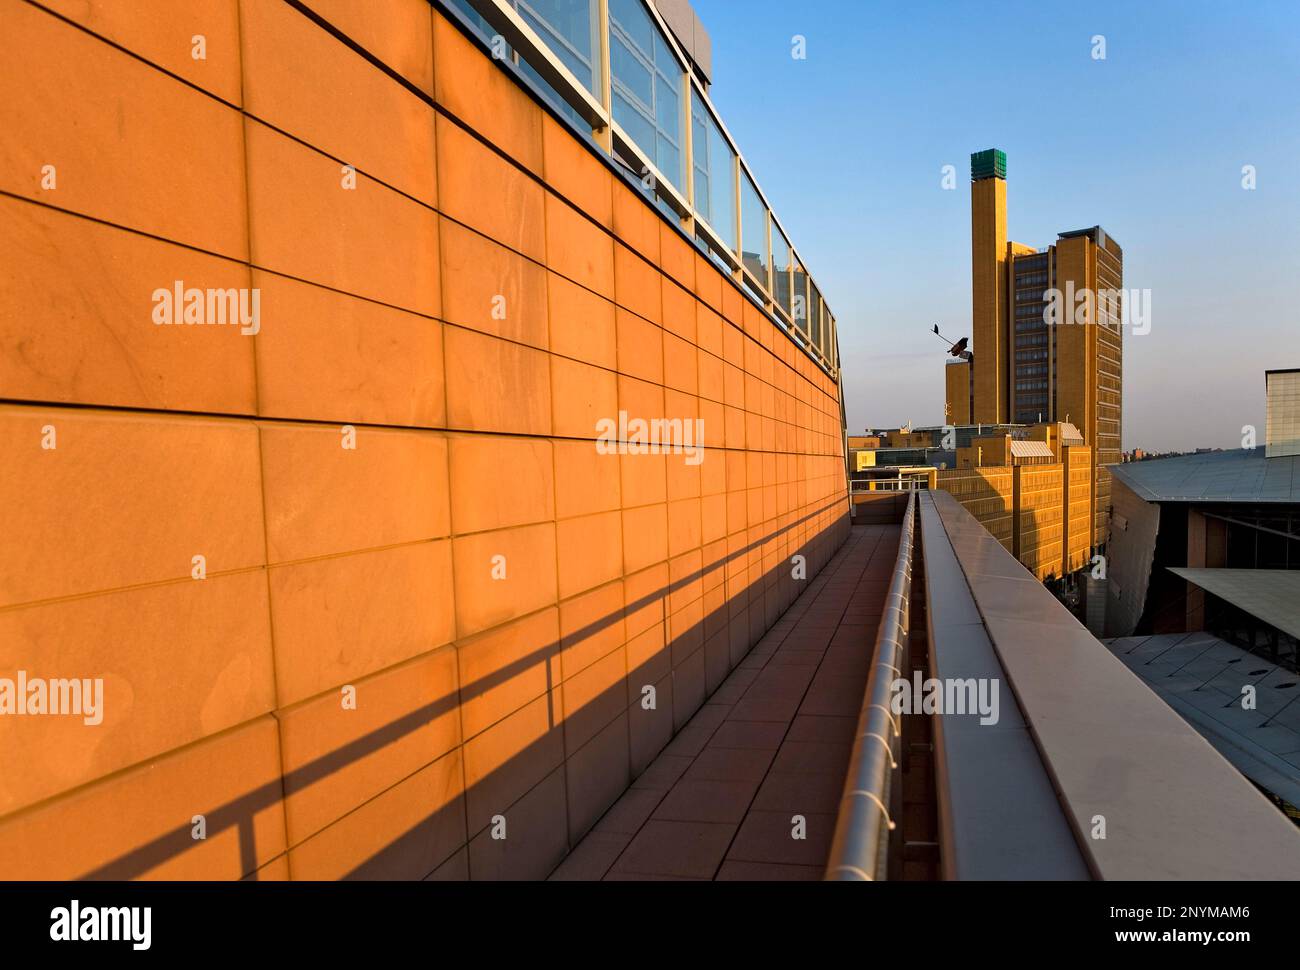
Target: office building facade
1046,331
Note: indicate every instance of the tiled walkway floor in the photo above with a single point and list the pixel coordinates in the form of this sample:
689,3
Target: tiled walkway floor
771,743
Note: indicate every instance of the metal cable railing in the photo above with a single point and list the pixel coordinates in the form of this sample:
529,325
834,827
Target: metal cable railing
866,825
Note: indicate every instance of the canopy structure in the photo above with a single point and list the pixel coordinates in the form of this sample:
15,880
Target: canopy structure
1269,595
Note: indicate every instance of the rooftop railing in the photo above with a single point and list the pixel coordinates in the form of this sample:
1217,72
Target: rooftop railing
1076,771
866,823
615,67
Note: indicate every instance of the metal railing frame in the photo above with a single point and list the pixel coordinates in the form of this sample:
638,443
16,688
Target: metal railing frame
911,483
867,835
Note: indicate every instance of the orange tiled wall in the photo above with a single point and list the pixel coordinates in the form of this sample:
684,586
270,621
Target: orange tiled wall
370,567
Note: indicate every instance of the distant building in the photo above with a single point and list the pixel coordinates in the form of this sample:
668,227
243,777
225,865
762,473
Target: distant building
1211,540
1046,332
1029,486
1282,428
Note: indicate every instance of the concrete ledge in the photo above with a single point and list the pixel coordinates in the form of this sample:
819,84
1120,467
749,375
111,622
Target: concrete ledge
998,813
1173,807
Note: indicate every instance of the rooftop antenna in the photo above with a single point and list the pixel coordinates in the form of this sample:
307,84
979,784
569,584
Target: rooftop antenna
957,349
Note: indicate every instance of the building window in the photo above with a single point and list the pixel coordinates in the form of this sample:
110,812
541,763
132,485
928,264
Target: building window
753,230
569,28
781,261
715,173
799,300
647,82
815,315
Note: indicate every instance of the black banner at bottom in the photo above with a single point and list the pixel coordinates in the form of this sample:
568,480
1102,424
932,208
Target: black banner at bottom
139,920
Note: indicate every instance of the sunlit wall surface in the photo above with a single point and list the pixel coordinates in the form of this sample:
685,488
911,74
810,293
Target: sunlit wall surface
369,593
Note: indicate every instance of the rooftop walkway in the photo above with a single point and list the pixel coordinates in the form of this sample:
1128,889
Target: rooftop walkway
770,744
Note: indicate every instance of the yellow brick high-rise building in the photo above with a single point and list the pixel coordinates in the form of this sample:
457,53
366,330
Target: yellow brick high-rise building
957,377
1045,330
988,249
1083,367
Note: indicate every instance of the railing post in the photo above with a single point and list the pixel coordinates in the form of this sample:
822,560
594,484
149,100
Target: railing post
604,136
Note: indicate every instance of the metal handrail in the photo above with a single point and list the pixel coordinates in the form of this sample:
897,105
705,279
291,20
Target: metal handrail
864,826
912,483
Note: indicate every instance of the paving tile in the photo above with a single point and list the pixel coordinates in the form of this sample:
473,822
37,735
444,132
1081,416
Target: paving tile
817,727
767,837
766,709
761,735
813,757
802,793
690,740
735,871
630,812
722,774
694,800
592,858
690,849
730,764
648,877
663,772
833,700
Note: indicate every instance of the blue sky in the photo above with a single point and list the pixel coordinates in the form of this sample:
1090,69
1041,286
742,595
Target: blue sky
849,146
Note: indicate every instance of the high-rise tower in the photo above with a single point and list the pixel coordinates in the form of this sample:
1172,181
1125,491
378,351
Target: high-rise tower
1045,329
988,247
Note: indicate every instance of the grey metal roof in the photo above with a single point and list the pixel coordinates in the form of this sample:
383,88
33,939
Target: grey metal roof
1271,595
1200,676
1241,475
